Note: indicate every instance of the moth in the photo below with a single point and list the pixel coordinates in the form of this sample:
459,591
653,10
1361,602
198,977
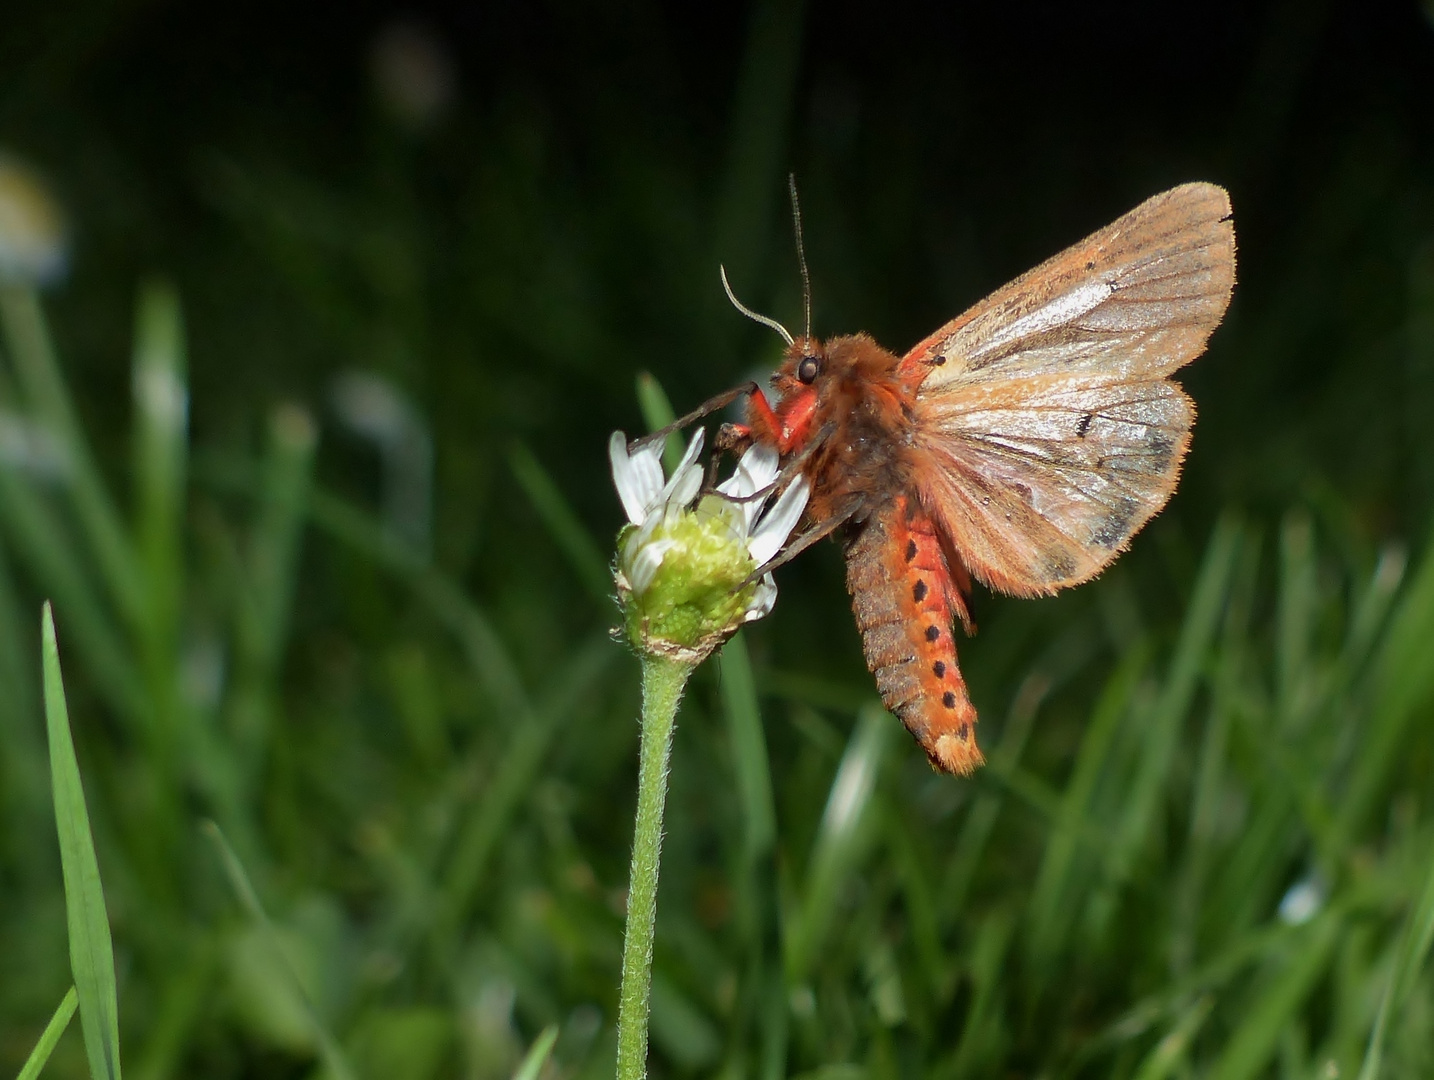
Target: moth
1021,445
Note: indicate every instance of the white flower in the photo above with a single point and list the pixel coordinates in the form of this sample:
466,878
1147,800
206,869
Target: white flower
685,572
639,476
755,472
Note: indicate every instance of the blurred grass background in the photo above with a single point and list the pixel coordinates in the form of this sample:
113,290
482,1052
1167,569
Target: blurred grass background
403,266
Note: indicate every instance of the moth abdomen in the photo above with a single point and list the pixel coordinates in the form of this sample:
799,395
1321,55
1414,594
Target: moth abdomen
901,591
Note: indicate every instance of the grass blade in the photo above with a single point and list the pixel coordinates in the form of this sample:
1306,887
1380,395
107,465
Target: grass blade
657,413
329,1049
564,526
161,434
161,444
1404,682
266,603
537,1055
980,821
1298,604
440,594
92,958
1202,617
1255,1041
1053,897
50,1036
1412,951
982,1032
840,837
38,371
524,755
274,549
1170,1052
761,900
749,747
22,767
43,544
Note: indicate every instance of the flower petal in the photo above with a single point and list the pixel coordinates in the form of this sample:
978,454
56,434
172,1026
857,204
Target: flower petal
694,447
686,484
778,523
763,599
646,563
762,462
756,469
637,477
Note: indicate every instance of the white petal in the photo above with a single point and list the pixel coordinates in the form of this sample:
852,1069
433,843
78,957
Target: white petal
638,478
756,469
763,599
741,513
648,463
762,462
694,447
686,484
640,538
779,522
645,564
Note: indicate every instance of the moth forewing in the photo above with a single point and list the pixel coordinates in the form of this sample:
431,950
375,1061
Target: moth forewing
1141,296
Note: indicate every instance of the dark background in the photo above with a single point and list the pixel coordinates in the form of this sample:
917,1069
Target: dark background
553,229
512,258
558,221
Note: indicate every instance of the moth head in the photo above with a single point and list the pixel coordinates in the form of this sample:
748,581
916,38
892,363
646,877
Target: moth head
809,366
804,367
820,366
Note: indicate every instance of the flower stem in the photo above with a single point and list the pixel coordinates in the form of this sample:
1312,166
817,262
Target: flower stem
662,683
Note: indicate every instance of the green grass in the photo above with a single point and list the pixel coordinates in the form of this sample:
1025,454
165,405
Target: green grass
1204,842
1124,908
92,961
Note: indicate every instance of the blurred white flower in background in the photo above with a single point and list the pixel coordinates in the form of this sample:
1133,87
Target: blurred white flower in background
375,409
413,73
1302,900
34,236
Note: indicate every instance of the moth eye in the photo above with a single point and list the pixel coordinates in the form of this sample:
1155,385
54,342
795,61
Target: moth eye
809,369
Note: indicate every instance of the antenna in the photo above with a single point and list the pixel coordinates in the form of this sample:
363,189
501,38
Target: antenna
802,260
770,323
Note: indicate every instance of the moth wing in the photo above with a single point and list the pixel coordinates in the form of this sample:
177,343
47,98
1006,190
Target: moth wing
1041,486
1137,299
1046,431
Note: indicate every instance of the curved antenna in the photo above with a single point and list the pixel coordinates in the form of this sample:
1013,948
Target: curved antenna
770,323
801,258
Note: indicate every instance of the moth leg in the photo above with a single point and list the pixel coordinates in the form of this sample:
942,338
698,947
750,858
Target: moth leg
817,532
711,405
762,420
733,437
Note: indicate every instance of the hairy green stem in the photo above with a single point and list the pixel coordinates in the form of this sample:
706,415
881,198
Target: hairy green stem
662,683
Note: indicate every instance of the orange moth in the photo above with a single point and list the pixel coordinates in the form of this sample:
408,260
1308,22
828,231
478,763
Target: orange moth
1021,445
